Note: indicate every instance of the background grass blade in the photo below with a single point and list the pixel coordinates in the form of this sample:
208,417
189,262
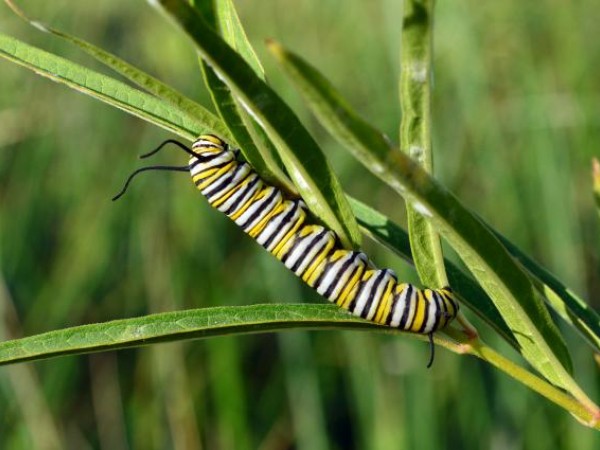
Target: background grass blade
103,88
383,230
415,130
496,271
303,159
186,107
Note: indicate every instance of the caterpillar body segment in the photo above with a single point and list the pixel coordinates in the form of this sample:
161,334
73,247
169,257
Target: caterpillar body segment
283,226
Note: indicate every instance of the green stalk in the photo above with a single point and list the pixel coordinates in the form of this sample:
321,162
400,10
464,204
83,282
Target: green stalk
582,408
415,130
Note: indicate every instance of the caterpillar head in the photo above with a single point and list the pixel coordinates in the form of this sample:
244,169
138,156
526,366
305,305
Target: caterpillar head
210,143
205,149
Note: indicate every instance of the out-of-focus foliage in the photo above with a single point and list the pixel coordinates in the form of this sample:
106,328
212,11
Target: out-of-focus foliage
515,125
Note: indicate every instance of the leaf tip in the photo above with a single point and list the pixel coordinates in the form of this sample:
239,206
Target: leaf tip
274,47
596,173
19,12
155,3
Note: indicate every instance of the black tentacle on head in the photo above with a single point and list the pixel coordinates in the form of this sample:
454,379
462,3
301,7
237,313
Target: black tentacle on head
144,169
174,142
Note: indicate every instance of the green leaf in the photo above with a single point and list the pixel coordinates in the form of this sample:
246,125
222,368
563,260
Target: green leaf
380,228
301,155
233,32
240,126
104,88
222,321
151,84
505,282
415,130
336,114
571,308
252,140
181,325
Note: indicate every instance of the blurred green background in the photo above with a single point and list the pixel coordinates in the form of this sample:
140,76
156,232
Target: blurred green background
516,121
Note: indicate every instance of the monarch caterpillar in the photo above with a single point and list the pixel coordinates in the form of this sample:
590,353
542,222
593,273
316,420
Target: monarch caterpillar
285,228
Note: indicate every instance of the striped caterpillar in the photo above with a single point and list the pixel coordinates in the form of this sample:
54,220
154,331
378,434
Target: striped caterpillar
285,228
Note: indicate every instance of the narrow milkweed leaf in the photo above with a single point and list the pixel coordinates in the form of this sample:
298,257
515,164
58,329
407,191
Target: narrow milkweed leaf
571,308
380,228
225,321
504,281
301,155
233,32
103,88
252,140
182,325
152,85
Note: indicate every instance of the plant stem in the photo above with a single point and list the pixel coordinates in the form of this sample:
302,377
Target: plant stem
583,409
